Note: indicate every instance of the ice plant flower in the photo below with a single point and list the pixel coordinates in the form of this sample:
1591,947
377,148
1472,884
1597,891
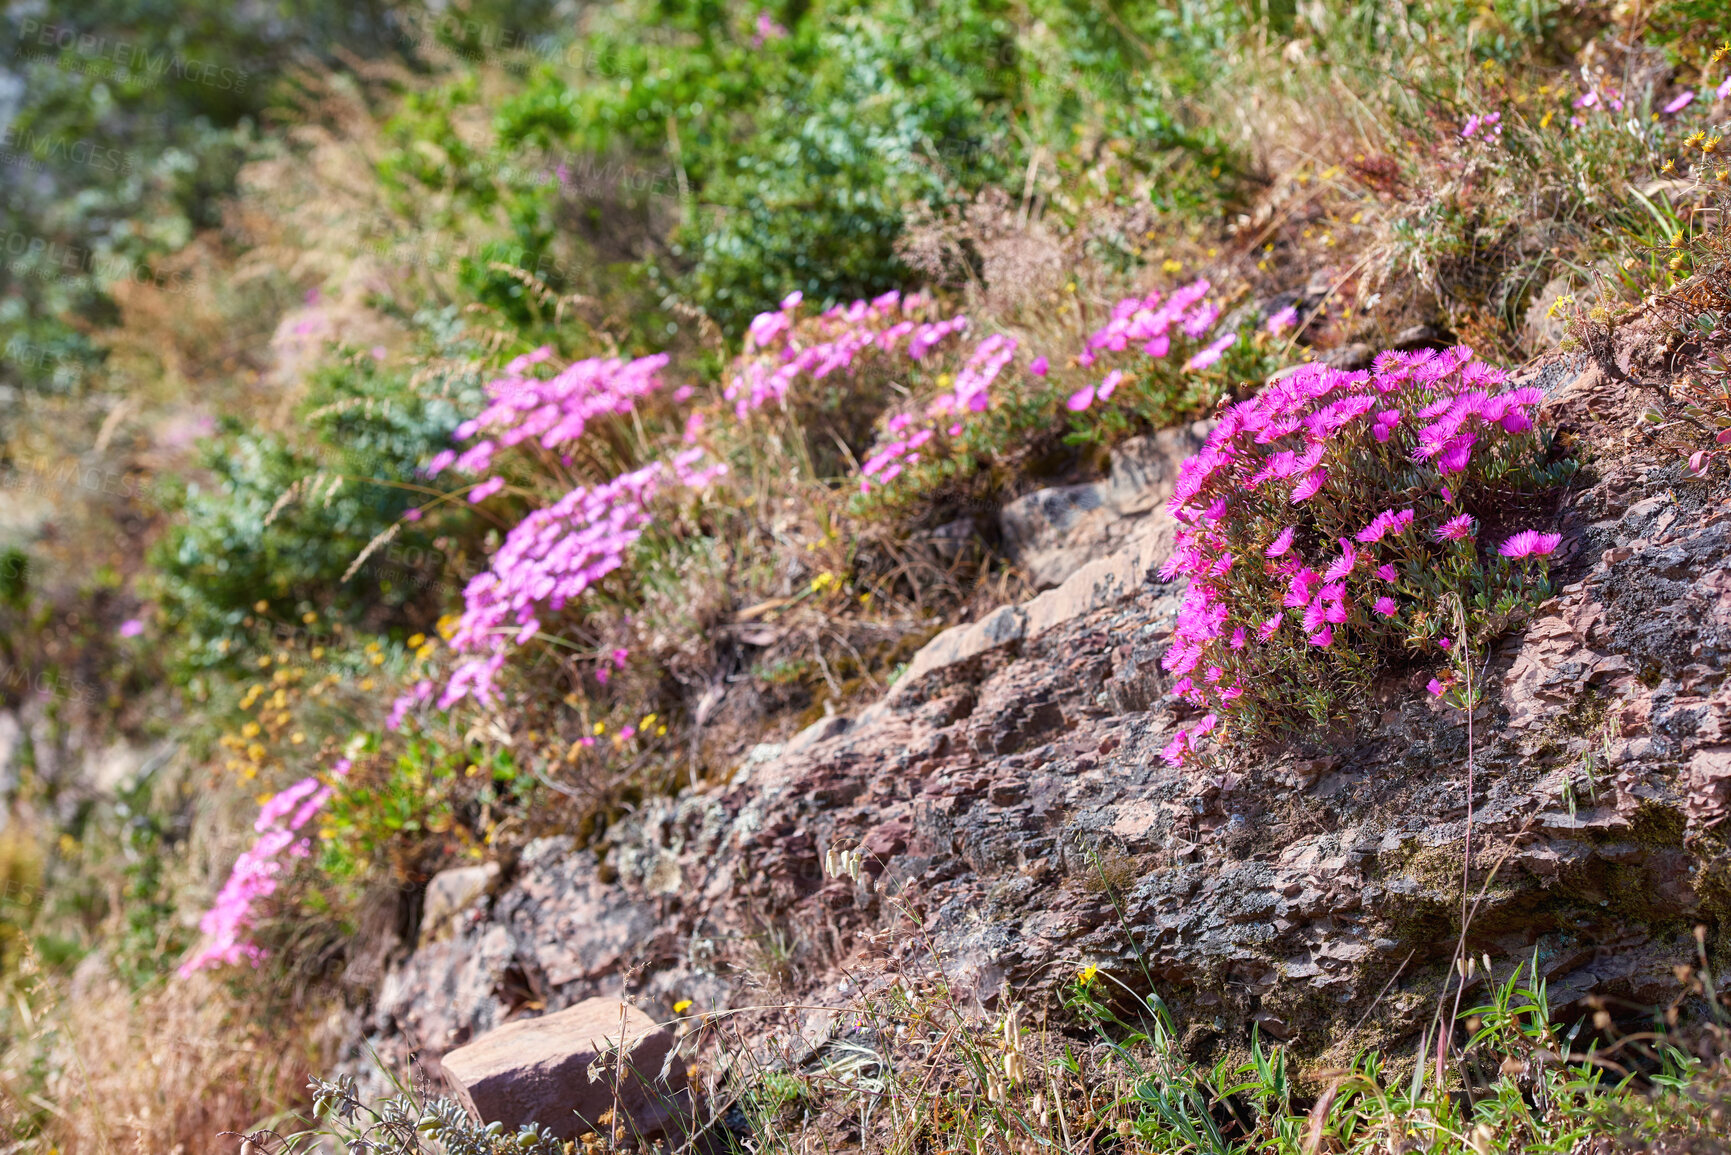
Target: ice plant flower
1310,458
1457,528
1209,354
1530,543
257,872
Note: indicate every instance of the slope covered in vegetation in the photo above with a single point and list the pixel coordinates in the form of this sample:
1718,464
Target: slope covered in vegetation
521,451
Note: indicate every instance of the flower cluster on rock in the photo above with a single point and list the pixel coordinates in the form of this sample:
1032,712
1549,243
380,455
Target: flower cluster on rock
1326,520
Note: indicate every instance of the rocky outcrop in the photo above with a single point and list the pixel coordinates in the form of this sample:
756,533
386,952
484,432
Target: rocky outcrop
1009,801
1051,533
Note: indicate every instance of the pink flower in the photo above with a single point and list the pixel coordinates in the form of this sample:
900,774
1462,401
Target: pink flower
1283,320
619,657
1080,399
1530,543
486,489
1267,628
602,674
1282,542
1443,643
1086,359
1384,424
1238,638
1039,367
1385,607
1110,384
1456,454
1173,752
131,628
1322,637
1342,565
1210,353
1387,572
1436,687
1309,485
1457,528
1723,91
1679,103
1298,591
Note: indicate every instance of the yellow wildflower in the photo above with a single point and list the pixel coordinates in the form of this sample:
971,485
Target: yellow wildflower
600,729
680,1007
415,641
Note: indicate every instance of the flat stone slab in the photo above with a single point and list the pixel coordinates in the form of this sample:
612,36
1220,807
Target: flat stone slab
537,1071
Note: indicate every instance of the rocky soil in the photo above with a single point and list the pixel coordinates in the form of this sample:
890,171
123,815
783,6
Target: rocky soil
1017,821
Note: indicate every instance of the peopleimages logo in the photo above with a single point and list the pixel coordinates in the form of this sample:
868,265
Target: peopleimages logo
23,145
26,256
36,38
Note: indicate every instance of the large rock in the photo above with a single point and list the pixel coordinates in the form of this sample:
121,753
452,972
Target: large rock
538,1071
1052,533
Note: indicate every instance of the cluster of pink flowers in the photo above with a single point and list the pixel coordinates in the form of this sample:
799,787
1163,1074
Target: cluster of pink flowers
1487,127
552,557
970,393
779,352
257,871
1286,551
1150,323
555,411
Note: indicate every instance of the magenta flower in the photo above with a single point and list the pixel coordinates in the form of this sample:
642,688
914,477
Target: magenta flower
1267,628
1530,543
1443,643
1110,384
1436,687
1387,572
1383,427
1309,485
1323,637
1282,542
1282,321
1039,367
130,628
1385,607
1457,528
1210,353
1080,399
1343,564
1679,102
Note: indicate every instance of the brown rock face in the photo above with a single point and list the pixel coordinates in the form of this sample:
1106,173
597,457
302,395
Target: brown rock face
537,1071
